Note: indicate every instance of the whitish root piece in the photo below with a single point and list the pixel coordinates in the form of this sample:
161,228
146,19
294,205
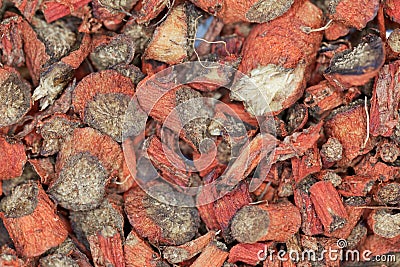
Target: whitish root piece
269,88
52,82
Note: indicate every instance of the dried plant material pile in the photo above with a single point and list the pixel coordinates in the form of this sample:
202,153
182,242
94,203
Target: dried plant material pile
202,133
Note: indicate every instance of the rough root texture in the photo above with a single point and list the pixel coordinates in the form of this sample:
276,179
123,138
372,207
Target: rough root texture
15,98
389,194
57,260
250,224
81,183
394,40
355,61
355,67
386,224
332,150
193,114
106,113
118,50
57,37
162,215
86,223
21,202
266,10
177,223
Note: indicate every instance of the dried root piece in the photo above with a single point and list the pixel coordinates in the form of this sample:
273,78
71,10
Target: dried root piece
177,254
75,58
388,194
106,248
385,101
318,244
310,223
165,217
353,13
170,42
379,245
27,8
57,260
386,224
215,253
258,11
226,207
36,55
348,125
281,72
328,206
357,66
112,13
357,236
376,170
332,150
308,164
88,223
52,81
138,253
30,219
11,43
119,49
55,9
277,222
101,99
354,213
57,37
181,109
130,71
13,154
392,9
393,45
166,161
8,257
150,9
140,33
54,78
15,96
81,183
336,30
322,98
297,117
246,253
388,151
55,130
84,167
44,167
